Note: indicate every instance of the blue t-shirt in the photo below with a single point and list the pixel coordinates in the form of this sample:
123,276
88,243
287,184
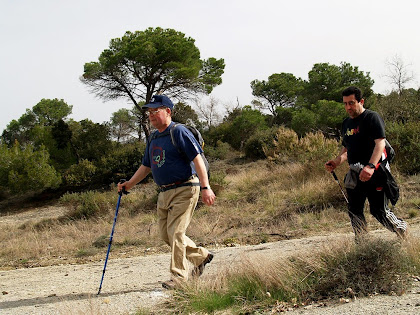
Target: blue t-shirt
168,165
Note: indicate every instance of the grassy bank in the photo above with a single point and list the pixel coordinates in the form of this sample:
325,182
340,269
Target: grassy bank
342,270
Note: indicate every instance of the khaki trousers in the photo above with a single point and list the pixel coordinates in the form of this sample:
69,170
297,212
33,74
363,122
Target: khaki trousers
175,208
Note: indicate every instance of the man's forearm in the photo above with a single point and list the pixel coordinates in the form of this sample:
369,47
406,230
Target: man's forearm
342,157
377,151
200,168
139,175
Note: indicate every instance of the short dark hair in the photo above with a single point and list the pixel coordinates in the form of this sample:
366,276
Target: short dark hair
353,90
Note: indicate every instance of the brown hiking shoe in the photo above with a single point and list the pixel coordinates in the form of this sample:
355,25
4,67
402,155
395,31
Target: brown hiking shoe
198,270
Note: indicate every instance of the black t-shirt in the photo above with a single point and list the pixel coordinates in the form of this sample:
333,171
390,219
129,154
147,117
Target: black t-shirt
359,135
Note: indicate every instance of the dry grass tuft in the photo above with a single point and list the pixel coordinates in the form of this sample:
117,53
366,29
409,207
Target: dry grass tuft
343,269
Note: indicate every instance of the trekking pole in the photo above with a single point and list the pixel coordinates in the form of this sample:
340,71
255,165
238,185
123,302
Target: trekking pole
112,232
341,188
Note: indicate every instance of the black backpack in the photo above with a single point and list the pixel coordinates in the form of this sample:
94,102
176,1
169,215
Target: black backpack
384,176
197,136
392,191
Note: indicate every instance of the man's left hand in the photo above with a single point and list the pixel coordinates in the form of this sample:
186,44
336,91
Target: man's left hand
366,173
208,196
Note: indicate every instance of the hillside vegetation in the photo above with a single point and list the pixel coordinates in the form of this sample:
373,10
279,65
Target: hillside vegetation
257,202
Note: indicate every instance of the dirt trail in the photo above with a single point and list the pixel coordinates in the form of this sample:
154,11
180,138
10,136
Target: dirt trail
131,283
34,215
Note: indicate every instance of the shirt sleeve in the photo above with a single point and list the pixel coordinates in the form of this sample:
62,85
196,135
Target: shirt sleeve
377,126
146,156
343,126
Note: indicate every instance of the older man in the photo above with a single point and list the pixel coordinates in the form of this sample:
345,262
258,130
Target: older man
180,173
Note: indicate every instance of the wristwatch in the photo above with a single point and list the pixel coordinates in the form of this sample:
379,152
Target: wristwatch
205,187
371,165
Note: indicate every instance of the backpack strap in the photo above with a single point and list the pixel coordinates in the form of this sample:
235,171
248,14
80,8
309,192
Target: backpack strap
171,131
156,135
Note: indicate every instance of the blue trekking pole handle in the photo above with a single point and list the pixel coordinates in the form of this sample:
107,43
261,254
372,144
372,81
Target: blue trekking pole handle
120,193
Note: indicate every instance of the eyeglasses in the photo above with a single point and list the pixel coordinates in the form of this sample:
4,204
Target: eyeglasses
154,111
351,103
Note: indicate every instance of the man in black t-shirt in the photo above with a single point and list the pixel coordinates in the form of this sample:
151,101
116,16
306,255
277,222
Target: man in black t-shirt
363,134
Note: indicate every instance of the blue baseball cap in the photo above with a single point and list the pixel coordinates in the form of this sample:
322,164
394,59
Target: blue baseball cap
159,101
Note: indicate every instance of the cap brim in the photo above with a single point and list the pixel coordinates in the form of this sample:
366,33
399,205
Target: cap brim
152,105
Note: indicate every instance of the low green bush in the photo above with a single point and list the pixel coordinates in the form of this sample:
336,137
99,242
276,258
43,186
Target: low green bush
304,121
218,152
312,150
87,204
26,169
91,204
405,139
122,162
80,174
260,142
373,266
282,146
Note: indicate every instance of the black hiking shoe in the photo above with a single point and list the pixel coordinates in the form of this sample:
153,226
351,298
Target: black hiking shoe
171,284
198,270
402,234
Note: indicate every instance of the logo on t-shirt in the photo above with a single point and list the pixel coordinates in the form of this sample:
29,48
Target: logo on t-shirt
158,156
351,132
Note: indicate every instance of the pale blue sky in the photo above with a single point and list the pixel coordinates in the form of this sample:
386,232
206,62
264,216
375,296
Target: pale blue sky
45,43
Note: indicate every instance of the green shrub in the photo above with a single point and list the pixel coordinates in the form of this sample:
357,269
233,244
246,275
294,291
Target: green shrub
101,241
304,121
329,116
283,116
90,140
405,139
122,162
80,174
239,126
374,266
260,142
218,180
312,150
219,152
85,252
402,108
283,145
26,169
87,204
